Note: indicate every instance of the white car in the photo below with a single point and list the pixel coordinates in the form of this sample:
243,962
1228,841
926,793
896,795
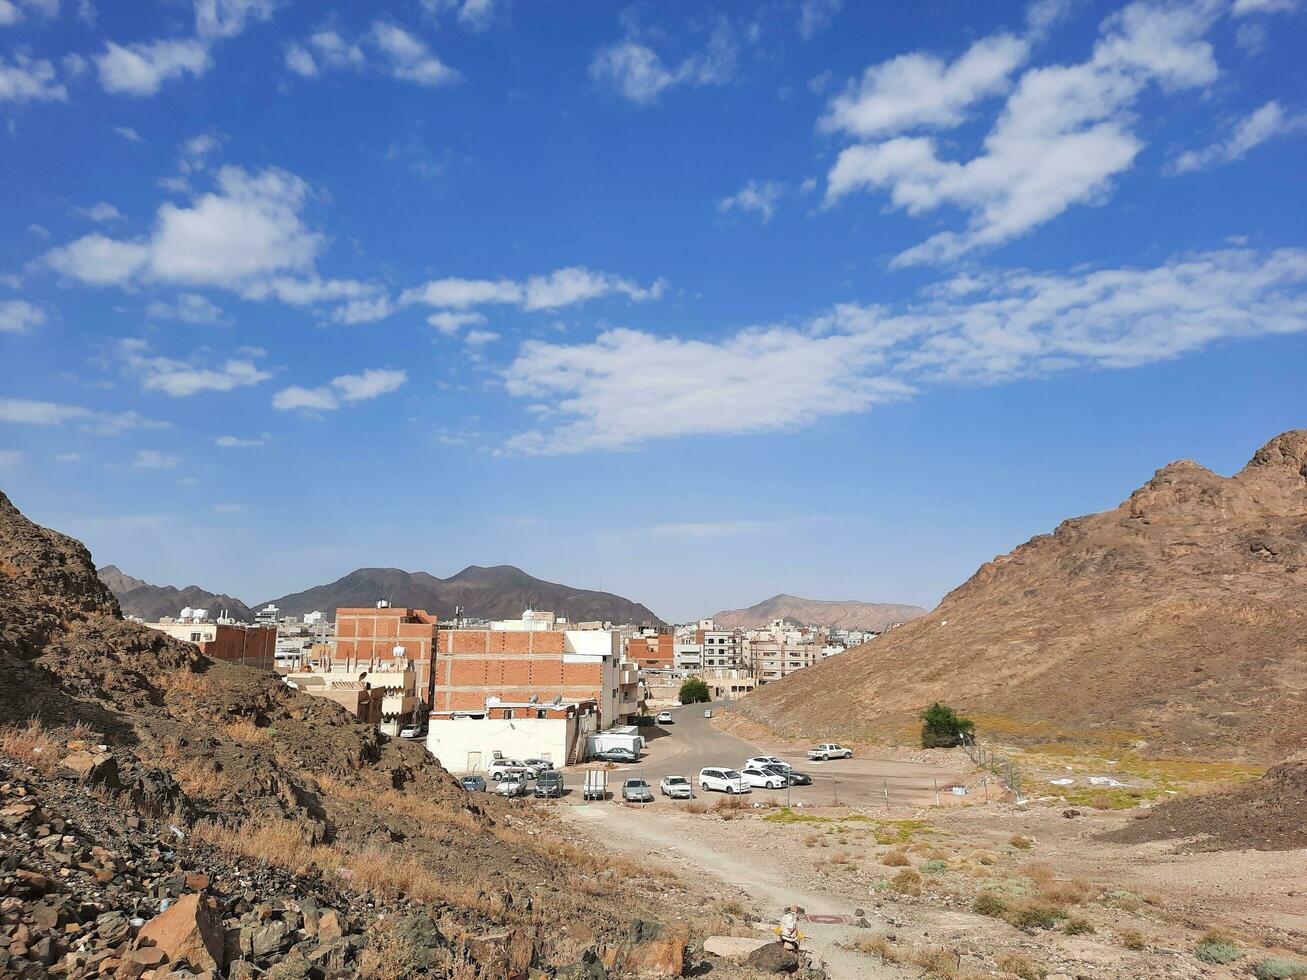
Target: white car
723,780
677,787
761,778
536,766
512,783
499,767
763,761
665,718
412,731
830,750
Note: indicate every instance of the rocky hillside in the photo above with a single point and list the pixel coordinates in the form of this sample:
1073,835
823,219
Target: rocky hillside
1176,622
152,602
498,592
138,778
876,616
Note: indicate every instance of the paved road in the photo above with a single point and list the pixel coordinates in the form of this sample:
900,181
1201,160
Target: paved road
692,742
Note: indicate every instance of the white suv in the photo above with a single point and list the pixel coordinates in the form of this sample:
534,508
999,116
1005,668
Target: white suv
723,781
763,761
761,778
500,767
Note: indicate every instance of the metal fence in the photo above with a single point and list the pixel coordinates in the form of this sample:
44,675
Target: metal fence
1000,765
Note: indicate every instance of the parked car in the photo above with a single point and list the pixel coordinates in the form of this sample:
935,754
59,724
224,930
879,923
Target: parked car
761,778
665,718
723,781
412,731
636,791
767,760
497,768
536,766
473,783
792,776
596,785
512,783
830,750
677,787
616,755
549,785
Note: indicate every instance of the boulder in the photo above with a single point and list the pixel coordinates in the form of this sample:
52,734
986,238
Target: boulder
329,927
773,958
735,947
93,767
190,930
506,953
655,950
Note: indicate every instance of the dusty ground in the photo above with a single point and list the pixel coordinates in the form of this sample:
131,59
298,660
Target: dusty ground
1118,910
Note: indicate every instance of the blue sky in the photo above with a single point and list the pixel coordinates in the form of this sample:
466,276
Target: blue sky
695,303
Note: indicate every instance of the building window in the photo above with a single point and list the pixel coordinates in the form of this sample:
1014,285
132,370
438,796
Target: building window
195,637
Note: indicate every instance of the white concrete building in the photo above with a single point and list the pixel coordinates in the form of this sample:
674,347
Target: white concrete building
468,741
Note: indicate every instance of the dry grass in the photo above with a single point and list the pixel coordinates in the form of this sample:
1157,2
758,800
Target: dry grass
1019,912
877,946
695,807
424,811
31,745
896,859
1021,842
246,732
940,964
1133,939
906,882
1020,965
203,778
187,682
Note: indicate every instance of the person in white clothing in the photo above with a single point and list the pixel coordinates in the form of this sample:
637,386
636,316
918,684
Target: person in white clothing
790,929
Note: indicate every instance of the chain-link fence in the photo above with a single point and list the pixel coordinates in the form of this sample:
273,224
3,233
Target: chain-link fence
1000,765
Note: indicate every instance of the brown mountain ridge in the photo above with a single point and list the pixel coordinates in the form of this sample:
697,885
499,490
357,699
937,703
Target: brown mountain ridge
1175,623
836,614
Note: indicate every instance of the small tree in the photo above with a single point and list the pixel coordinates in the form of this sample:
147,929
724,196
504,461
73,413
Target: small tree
941,728
695,691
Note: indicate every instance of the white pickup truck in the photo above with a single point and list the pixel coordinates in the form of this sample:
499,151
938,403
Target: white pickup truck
829,750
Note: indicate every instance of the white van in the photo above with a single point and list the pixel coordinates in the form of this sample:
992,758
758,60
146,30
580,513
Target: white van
723,781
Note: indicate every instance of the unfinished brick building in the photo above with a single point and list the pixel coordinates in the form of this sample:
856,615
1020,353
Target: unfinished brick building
376,632
514,666
253,646
652,652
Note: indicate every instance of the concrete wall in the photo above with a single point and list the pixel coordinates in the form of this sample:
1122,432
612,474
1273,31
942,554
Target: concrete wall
469,744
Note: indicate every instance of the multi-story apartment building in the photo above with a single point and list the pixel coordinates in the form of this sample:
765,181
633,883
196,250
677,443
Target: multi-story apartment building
652,652
380,690
384,632
722,648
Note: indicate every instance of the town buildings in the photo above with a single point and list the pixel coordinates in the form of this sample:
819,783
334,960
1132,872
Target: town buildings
253,646
381,690
383,631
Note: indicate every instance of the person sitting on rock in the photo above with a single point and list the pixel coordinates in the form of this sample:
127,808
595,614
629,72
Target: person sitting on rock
790,929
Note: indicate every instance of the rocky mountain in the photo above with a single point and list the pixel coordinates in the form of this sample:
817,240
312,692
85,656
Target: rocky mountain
167,809
820,612
151,602
1175,623
497,592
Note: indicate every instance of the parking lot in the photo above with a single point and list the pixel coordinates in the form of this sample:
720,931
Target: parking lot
692,743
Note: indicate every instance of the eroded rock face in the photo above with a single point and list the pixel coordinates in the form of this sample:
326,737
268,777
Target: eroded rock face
190,930
1172,623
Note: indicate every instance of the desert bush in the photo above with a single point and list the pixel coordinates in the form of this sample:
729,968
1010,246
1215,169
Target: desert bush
906,882
942,728
1021,842
937,963
1276,968
1034,914
31,745
1078,926
1133,939
202,778
877,946
186,682
987,903
935,867
1218,949
895,859
247,732
1020,965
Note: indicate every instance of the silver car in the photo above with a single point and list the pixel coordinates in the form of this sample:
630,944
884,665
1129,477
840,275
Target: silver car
636,791
512,783
677,787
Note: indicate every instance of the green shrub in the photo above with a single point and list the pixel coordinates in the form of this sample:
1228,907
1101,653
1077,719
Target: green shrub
1275,968
1218,949
987,903
694,691
941,728
1077,926
935,867
1035,915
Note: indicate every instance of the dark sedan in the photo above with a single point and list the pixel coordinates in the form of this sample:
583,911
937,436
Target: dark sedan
794,777
616,755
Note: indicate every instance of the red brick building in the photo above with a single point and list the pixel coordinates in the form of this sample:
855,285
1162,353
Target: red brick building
652,652
253,646
368,632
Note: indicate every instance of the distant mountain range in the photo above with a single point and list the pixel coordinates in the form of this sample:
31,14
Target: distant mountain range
151,602
498,592
817,612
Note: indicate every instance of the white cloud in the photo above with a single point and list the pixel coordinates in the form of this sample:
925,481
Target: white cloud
627,387
451,323
479,338
563,287
472,15
756,196
101,212
394,50
142,68
370,384
638,73
188,308
1265,124
915,91
1243,8
23,411
236,442
12,11
29,80
816,15
129,134
1062,136
181,379
236,237
227,18
152,459
19,316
